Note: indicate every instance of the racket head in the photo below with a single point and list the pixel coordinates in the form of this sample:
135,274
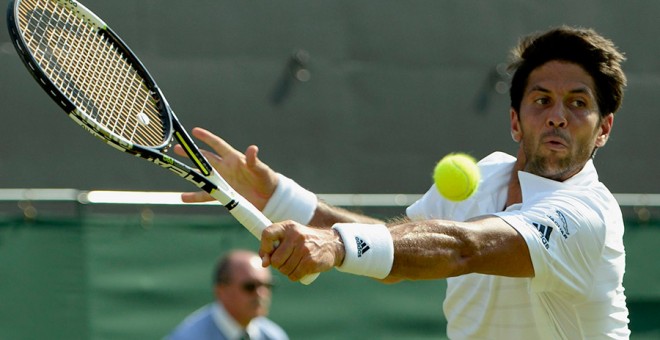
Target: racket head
90,73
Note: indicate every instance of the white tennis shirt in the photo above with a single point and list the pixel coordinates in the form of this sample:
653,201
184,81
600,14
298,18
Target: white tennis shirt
574,232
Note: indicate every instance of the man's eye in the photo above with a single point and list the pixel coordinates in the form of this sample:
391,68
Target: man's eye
579,103
542,101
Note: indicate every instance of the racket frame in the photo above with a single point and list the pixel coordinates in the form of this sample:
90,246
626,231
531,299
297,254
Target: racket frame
206,179
172,127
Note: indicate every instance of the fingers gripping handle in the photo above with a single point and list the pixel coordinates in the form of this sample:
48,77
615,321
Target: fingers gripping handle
254,221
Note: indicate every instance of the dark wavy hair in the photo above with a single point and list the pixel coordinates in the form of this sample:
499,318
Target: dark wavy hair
597,55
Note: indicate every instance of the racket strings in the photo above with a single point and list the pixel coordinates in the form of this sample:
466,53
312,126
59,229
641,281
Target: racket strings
91,71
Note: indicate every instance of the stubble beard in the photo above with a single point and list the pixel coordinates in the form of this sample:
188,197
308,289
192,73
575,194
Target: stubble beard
553,166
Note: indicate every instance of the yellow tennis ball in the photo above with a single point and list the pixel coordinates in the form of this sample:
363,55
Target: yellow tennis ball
456,176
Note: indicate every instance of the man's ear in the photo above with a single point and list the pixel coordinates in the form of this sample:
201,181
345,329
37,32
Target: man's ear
605,129
516,131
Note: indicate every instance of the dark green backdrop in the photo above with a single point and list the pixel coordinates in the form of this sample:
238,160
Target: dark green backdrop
135,276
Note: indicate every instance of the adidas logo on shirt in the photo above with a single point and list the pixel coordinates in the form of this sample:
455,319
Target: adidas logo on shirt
362,246
544,232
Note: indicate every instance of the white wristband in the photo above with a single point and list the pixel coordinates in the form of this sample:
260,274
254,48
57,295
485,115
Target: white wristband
369,249
290,201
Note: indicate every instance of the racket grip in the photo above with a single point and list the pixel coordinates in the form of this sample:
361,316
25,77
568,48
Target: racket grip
255,222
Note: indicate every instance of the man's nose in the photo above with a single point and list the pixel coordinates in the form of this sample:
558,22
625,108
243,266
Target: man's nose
557,116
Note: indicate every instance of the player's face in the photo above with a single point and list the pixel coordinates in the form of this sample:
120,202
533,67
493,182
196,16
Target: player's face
248,295
559,124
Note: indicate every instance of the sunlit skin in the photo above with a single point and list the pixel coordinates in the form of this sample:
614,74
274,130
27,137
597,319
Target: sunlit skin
559,125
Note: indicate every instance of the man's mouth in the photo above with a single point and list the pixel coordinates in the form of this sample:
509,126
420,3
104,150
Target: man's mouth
555,141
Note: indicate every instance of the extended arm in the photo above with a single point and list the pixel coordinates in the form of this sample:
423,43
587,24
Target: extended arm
435,249
430,249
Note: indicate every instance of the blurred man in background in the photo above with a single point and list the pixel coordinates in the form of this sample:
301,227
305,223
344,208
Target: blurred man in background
242,291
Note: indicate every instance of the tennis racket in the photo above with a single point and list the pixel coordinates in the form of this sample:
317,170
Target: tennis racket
97,80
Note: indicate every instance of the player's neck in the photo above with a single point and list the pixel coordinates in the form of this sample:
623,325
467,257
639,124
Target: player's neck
514,193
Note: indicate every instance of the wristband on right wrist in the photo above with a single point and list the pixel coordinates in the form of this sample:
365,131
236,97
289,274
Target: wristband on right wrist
290,201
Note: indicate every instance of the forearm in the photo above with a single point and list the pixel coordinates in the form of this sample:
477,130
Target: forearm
290,201
437,249
434,249
430,249
327,215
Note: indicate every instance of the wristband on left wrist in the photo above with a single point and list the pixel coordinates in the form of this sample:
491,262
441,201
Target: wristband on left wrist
369,249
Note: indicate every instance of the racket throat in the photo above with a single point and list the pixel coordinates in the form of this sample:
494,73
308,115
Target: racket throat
191,150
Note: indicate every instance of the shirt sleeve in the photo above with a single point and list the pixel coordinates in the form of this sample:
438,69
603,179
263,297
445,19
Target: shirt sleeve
565,238
430,205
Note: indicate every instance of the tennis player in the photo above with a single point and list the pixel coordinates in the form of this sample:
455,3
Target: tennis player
536,253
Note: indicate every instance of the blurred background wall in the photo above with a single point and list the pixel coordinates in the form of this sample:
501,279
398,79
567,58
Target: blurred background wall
344,97
386,89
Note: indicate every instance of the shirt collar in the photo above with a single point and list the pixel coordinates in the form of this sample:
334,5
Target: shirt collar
229,327
532,185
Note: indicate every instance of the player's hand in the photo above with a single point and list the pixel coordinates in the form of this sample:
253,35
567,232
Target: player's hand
248,175
297,250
